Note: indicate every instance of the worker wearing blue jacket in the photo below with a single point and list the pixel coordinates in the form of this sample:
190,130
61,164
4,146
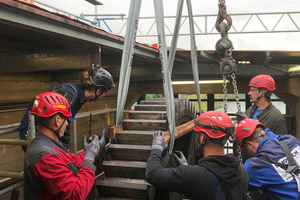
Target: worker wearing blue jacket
271,179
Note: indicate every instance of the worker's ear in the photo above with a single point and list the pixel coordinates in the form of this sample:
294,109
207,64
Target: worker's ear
250,146
201,137
57,121
98,92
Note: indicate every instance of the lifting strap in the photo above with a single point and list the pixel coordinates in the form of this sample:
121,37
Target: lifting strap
127,57
194,53
175,35
166,75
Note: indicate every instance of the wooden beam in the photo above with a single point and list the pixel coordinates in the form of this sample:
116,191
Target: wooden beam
180,130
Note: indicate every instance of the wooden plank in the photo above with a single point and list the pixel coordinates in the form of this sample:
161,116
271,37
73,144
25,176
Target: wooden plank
125,169
123,187
113,130
144,124
134,137
180,130
147,114
151,107
130,152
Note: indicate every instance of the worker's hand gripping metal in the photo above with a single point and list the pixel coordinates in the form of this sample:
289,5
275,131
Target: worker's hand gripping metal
158,141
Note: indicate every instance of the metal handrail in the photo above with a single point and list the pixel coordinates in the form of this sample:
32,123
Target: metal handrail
14,127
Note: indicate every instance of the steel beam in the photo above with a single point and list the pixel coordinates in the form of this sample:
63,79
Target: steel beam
52,24
45,61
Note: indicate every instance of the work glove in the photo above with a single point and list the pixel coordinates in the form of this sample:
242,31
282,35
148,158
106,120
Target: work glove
105,135
240,116
91,149
158,141
180,158
104,139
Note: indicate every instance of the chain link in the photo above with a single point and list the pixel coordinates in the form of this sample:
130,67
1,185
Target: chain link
236,92
225,93
228,67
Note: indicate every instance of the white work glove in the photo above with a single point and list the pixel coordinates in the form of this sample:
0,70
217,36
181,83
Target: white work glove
178,155
158,141
91,149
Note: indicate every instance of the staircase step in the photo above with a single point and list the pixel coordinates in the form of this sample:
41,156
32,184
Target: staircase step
144,124
159,100
130,152
134,137
124,169
123,187
117,198
150,107
147,114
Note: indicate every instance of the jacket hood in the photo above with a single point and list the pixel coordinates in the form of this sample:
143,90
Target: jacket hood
223,167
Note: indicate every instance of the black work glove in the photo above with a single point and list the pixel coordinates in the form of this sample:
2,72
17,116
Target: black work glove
158,141
91,149
180,158
104,139
240,116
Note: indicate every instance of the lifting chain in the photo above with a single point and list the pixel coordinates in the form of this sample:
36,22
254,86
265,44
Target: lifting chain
227,66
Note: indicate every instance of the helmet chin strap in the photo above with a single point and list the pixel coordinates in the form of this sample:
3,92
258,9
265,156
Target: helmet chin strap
55,131
96,96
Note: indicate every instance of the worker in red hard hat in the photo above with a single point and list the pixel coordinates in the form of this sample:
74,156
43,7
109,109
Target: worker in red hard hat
50,170
263,169
261,88
92,86
215,176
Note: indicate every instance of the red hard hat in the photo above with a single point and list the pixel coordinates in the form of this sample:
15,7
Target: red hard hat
215,124
49,103
263,81
245,128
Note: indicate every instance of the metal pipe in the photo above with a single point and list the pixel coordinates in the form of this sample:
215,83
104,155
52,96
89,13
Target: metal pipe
102,15
12,174
9,126
11,188
87,114
9,130
14,142
52,7
75,136
31,127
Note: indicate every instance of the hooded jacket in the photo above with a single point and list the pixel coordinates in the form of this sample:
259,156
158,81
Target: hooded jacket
271,179
198,181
